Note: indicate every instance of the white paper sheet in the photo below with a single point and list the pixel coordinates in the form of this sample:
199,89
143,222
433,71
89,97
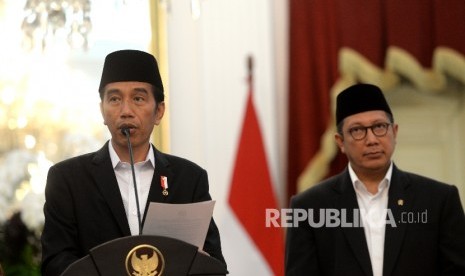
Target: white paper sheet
187,222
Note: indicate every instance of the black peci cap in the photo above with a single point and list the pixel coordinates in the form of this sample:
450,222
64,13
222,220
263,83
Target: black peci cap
130,65
360,98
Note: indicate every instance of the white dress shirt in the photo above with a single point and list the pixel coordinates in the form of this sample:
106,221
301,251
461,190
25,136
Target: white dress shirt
373,211
144,173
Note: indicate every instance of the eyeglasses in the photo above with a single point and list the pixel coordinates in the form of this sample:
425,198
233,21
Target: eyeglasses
360,132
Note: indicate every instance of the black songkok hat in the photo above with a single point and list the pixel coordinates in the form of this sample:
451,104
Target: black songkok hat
360,98
130,65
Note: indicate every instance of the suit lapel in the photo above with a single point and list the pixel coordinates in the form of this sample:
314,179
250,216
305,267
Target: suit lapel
355,235
156,191
400,200
104,175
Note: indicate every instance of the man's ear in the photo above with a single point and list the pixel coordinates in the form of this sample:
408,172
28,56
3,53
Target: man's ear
101,112
159,112
339,141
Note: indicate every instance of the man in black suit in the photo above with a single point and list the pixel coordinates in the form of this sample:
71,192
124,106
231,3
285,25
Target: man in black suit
90,199
373,218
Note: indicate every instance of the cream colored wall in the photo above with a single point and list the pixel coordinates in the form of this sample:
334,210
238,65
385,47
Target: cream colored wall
431,131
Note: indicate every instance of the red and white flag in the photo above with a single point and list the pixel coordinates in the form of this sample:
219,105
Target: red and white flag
252,192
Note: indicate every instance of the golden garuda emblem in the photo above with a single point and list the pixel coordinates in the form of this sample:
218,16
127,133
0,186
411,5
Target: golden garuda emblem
145,260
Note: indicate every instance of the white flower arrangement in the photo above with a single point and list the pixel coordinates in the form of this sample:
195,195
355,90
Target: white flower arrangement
23,175
22,181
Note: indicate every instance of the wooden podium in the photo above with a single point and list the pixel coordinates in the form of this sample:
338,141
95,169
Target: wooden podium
146,255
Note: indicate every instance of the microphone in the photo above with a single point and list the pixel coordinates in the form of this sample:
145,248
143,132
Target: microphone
126,131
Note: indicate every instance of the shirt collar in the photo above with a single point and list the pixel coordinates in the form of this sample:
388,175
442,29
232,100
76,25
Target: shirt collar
115,160
357,183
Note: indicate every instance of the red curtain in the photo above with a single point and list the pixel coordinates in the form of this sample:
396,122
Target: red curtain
312,71
319,29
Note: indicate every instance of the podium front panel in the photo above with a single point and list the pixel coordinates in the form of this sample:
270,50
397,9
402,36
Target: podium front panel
146,255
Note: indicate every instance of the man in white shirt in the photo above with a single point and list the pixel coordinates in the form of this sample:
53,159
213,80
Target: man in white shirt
399,223
90,199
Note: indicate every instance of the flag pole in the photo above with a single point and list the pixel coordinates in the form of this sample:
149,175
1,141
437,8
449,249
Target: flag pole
250,72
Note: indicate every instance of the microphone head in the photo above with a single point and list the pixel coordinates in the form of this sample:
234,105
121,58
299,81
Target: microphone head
125,131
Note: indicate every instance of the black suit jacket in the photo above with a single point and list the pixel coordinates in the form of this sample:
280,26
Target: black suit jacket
84,207
413,246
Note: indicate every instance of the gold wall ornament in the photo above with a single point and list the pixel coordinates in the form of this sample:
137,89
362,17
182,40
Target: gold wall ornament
145,260
159,48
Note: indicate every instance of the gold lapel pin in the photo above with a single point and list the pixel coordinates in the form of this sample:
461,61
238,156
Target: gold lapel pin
400,202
